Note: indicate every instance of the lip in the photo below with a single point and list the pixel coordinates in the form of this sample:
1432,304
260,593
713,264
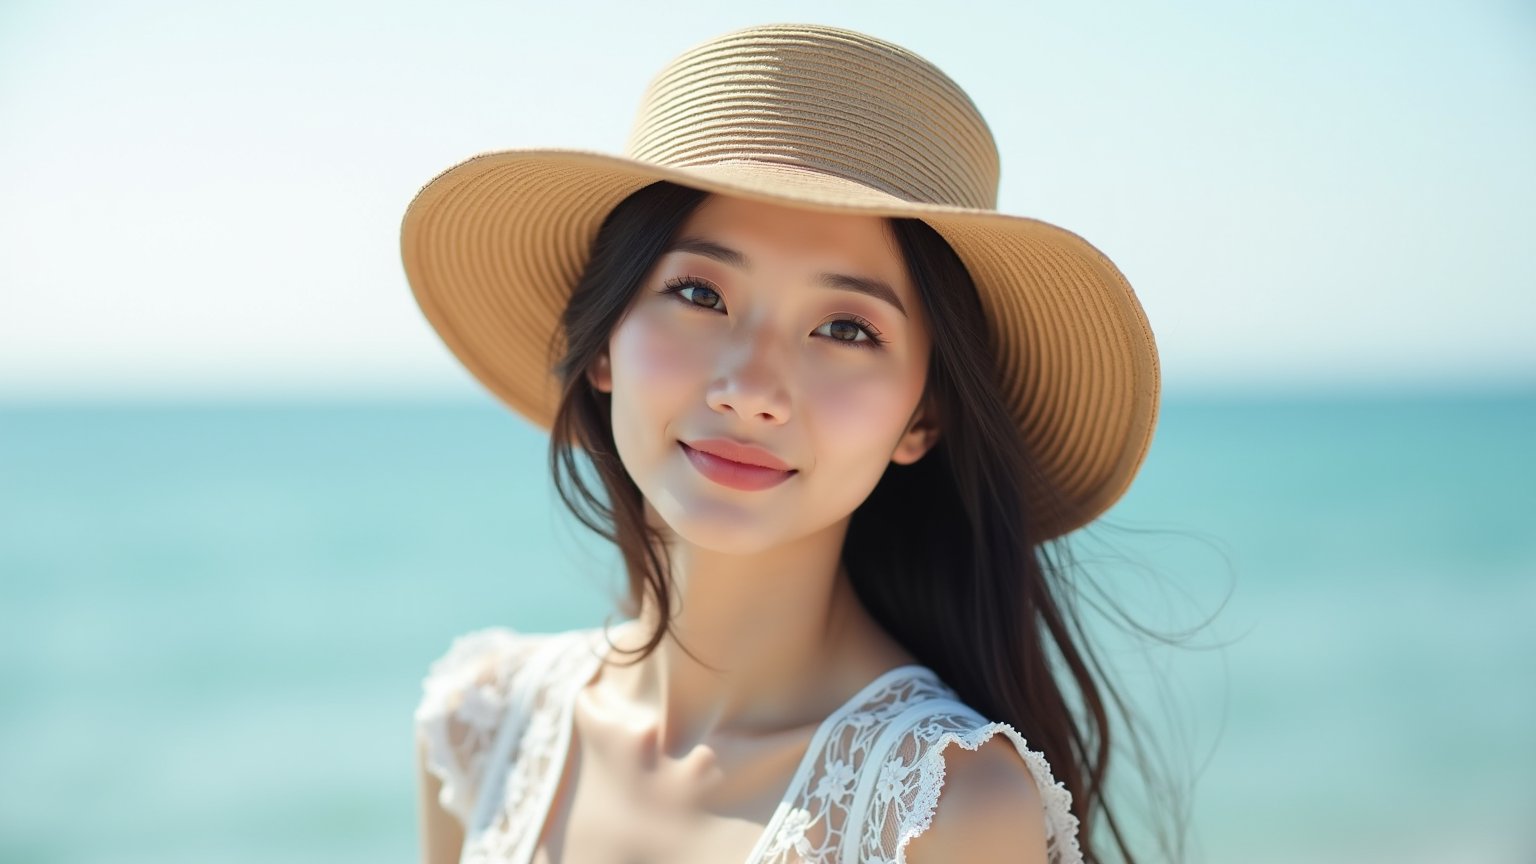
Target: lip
737,466
743,454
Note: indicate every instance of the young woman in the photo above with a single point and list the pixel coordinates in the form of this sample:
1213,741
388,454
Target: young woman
832,408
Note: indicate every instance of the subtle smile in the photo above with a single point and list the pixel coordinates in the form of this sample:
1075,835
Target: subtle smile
711,458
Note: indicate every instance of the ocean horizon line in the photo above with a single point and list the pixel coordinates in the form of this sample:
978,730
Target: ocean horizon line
367,399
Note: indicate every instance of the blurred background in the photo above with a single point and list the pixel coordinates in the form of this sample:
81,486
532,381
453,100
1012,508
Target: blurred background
246,496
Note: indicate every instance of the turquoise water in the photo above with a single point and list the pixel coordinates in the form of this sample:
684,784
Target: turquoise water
213,620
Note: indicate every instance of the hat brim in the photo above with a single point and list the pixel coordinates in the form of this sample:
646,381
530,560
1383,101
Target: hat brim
493,246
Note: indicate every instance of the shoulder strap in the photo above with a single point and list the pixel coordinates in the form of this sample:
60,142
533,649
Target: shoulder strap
465,698
819,816
905,787
523,775
528,693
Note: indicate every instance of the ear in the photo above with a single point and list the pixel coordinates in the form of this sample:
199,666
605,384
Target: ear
600,373
922,433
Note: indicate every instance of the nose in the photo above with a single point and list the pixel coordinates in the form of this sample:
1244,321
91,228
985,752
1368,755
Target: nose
751,383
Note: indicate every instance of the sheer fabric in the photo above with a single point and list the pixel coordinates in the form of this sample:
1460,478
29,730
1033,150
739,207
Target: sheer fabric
495,715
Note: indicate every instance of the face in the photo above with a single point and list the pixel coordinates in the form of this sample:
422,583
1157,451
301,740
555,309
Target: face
794,333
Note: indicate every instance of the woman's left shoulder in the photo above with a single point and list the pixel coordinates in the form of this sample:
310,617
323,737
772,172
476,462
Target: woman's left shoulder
990,798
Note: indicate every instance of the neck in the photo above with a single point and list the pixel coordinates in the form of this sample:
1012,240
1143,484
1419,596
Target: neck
757,643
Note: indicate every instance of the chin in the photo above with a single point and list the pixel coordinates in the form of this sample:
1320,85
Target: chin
721,527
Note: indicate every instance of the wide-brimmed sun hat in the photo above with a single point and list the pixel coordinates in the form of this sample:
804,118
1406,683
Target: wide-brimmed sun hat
825,119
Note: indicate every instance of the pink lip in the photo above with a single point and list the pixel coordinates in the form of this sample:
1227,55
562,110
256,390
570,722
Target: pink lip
736,465
744,454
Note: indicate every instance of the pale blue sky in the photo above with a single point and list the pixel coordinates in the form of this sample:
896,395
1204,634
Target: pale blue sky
204,198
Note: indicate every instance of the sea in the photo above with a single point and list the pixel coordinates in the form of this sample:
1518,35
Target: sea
215,618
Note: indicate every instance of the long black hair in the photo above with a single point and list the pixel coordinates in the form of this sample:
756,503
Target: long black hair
942,552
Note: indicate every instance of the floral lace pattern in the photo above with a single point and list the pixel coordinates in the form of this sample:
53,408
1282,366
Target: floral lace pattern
903,727
817,826
913,775
530,761
464,702
496,718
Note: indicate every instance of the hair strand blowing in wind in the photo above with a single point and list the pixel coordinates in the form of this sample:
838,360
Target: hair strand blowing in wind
942,552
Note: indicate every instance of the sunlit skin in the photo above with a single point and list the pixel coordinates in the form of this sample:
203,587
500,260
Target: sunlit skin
739,332
758,350
768,354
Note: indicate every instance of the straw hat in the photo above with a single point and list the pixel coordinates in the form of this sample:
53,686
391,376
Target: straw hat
825,119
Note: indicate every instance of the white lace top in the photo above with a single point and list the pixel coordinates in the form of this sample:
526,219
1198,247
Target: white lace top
496,715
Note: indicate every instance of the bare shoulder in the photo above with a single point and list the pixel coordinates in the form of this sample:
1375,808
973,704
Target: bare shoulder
989,810
441,835
466,695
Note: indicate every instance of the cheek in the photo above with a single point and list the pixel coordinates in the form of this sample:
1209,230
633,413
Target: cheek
853,410
650,357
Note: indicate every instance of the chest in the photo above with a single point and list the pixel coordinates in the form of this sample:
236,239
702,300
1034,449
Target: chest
612,805
554,796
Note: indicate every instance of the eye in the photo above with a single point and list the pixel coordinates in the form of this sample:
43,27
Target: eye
853,331
696,292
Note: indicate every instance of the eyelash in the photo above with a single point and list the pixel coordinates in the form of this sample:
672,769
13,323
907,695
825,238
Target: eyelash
674,286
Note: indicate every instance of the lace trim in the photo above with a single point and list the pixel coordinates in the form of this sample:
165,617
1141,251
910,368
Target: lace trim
465,696
836,808
518,797
1061,825
821,822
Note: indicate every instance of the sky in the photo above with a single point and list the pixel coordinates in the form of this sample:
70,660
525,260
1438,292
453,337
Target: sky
202,200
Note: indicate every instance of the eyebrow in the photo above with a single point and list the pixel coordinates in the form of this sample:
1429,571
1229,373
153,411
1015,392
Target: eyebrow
726,255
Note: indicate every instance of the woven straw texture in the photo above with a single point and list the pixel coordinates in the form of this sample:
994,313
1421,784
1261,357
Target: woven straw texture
818,118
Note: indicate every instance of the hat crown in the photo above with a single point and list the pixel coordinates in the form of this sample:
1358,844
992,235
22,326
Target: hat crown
826,100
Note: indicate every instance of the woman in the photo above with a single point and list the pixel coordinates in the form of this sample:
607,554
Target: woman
835,407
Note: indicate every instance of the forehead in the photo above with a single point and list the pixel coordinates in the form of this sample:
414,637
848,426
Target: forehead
787,238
